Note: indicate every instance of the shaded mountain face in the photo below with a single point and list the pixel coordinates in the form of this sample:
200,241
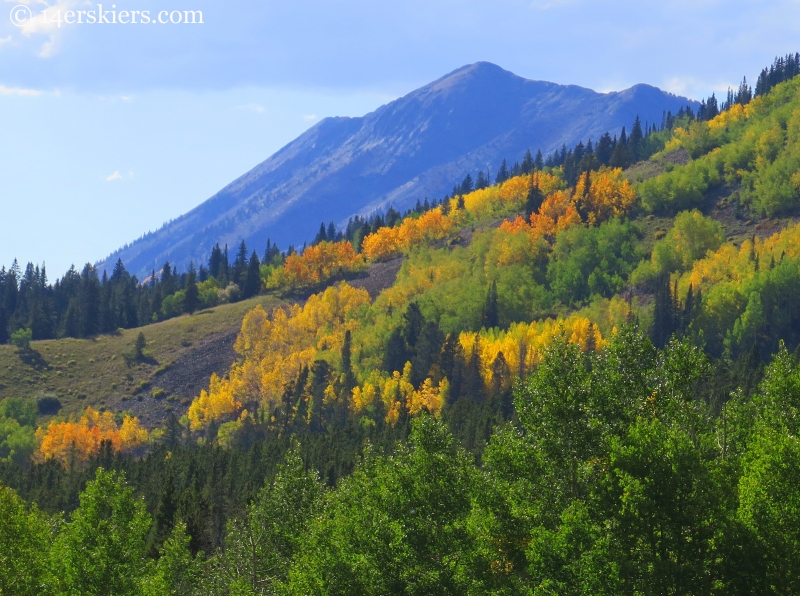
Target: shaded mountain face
414,147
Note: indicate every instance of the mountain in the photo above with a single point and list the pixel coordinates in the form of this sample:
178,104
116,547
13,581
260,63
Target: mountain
416,146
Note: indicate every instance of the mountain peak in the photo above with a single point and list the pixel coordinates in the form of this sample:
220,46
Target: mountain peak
414,147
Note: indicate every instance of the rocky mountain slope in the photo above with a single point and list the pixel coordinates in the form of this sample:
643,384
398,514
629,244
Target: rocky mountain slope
416,146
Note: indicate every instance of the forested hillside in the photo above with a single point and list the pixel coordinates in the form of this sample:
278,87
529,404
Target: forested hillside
583,380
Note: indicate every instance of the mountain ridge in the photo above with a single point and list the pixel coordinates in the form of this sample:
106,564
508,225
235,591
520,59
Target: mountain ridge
415,146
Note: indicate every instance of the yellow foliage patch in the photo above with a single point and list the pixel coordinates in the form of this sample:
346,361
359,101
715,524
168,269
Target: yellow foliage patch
73,441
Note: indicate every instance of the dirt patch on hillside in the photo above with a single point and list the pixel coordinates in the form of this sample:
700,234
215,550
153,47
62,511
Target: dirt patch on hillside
378,277
183,380
679,157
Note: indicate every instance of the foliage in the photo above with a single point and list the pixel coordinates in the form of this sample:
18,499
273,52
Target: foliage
24,543
317,264
101,550
754,147
691,238
274,350
73,442
592,261
21,338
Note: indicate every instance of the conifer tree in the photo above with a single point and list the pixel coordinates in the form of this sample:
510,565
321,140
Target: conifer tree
538,162
252,284
620,156
635,143
466,185
533,201
502,173
527,162
191,300
139,345
490,317
240,265
322,235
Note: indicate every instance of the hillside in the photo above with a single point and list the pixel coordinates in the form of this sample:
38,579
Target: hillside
180,356
553,385
414,147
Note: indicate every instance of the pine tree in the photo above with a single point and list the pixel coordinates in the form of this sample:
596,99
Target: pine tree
533,201
139,345
490,316
252,283
620,157
240,265
322,235
347,364
527,162
191,299
539,161
89,301
466,185
502,173
663,313
635,143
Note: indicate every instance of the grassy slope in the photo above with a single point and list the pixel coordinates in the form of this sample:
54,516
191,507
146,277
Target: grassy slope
95,372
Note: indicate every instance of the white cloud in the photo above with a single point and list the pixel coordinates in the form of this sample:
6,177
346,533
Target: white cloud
5,40
48,48
115,176
17,91
310,117
49,25
695,88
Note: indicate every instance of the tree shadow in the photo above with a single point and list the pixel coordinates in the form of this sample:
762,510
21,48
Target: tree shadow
32,358
132,359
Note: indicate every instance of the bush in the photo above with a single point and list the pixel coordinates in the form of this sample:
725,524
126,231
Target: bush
22,338
229,294
173,305
48,405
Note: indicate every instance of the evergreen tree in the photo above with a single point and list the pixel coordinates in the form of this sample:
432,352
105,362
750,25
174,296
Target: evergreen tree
252,284
533,201
89,301
139,345
663,313
322,235
490,316
347,364
240,265
466,185
636,141
191,299
502,173
620,156
527,162
538,162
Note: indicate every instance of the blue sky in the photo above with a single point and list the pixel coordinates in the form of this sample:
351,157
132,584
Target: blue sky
109,130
